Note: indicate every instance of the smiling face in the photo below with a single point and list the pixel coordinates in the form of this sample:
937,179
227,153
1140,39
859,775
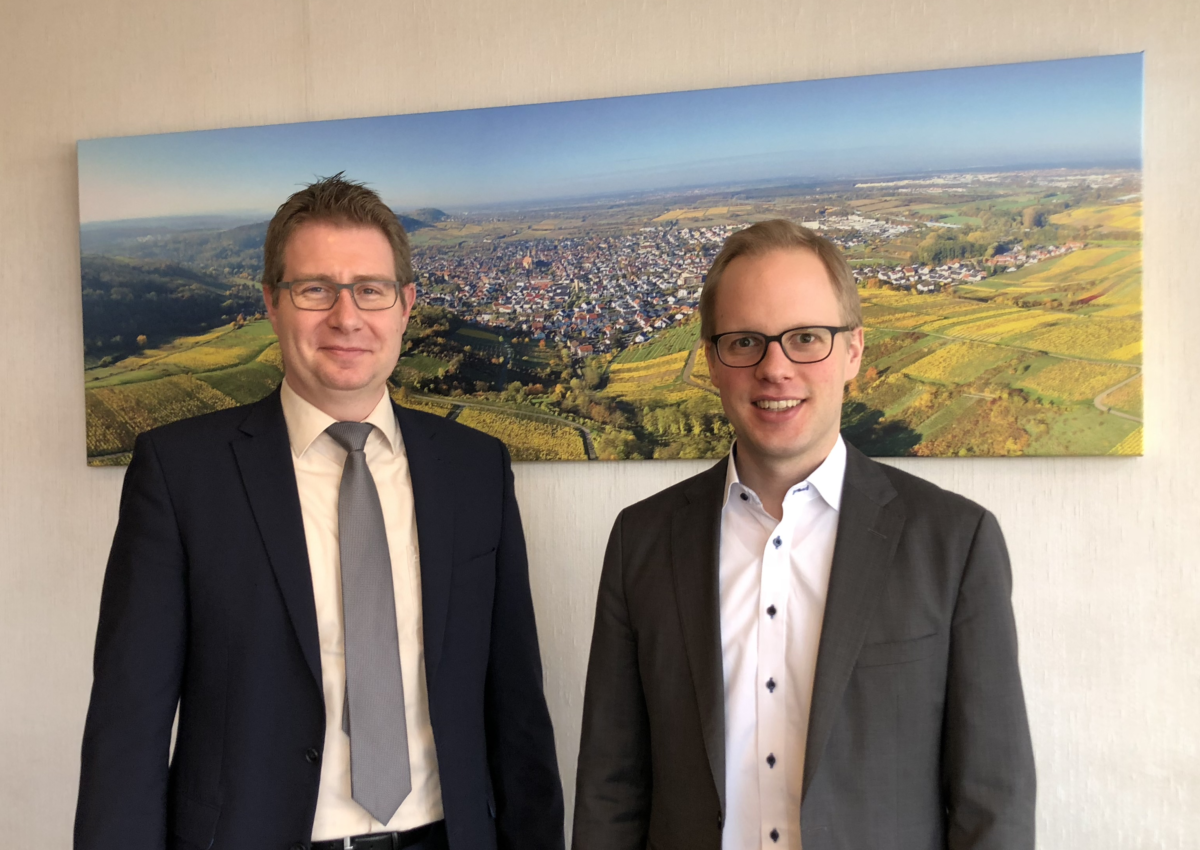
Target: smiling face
339,360
786,415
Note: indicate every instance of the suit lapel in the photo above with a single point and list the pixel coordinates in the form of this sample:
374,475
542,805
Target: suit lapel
695,547
869,525
434,503
265,461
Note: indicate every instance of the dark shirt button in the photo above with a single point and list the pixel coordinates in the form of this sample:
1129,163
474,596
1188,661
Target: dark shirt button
720,821
312,755
745,498
771,611
778,541
771,760
771,685
774,835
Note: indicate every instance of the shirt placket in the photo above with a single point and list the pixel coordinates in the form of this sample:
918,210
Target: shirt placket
771,686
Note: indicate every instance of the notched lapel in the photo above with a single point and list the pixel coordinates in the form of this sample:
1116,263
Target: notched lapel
265,461
869,525
434,504
695,544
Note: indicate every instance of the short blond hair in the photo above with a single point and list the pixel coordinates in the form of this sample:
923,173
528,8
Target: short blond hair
779,234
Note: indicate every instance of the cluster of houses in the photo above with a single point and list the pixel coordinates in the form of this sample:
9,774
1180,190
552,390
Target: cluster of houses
923,279
1018,257
597,294
926,279
591,294
859,228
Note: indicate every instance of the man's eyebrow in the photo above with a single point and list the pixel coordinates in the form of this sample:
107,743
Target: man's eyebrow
358,278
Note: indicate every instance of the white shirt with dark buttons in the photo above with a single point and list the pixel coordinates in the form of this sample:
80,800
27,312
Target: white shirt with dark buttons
774,577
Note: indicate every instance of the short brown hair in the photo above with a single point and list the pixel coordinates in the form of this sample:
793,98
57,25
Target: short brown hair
335,200
778,234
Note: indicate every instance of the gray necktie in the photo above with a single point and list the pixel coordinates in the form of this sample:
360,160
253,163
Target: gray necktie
374,715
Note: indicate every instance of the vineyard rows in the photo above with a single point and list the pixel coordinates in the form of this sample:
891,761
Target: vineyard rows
1075,380
958,363
527,439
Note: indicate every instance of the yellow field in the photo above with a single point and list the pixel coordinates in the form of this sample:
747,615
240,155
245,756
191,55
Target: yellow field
205,358
527,439
1073,380
1128,398
272,356
1130,446
425,405
991,329
678,214
1119,217
904,321
146,405
661,369
958,362
1091,336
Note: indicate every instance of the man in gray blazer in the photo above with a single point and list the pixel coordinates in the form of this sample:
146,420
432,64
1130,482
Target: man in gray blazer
800,646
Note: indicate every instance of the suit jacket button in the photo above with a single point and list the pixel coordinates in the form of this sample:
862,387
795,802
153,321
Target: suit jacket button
299,845
312,755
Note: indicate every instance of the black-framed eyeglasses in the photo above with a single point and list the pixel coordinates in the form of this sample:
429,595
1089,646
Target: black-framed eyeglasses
323,294
741,349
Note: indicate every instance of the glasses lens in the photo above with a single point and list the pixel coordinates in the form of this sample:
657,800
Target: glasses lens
313,295
807,345
374,294
741,349
322,295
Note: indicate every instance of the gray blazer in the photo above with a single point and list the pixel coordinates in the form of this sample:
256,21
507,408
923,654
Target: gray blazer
917,738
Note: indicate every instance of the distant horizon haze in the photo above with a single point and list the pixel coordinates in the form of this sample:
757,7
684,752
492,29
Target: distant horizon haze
1061,111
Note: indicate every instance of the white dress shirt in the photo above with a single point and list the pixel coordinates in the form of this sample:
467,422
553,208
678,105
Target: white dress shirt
318,461
774,577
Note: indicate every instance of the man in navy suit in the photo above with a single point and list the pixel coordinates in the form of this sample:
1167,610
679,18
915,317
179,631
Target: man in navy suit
223,597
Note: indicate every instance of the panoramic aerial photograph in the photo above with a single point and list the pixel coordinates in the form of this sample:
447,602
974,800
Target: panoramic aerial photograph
992,217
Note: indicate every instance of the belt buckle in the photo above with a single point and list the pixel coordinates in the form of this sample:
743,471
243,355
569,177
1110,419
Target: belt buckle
347,843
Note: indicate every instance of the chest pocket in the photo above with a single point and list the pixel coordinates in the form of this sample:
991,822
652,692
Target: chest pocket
898,651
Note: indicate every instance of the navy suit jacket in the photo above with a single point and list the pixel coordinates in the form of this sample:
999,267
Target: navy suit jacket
208,605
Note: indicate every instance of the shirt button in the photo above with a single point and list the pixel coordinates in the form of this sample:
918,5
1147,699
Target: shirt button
745,498
771,611
771,760
774,835
771,685
778,541
312,755
720,820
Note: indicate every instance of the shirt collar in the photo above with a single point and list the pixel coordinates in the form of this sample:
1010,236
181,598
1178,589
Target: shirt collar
827,478
306,422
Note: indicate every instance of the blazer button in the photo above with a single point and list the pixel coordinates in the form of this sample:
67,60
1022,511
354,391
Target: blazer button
312,755
298,846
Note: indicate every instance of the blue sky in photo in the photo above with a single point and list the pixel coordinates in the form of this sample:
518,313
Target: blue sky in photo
1072,112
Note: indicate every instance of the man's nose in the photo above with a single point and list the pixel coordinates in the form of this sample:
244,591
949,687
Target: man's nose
773,360
344,310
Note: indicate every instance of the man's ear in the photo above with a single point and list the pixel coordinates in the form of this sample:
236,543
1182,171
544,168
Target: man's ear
854,352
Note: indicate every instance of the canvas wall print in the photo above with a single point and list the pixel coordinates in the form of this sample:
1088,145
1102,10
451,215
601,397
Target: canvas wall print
992,216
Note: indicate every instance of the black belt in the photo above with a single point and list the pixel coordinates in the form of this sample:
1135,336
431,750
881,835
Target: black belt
384,840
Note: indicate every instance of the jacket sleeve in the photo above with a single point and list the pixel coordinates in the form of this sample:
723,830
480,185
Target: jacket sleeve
137,670
521,754
613,783
988,773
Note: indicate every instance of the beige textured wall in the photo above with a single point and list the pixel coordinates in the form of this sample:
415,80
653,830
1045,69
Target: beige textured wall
1104,550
